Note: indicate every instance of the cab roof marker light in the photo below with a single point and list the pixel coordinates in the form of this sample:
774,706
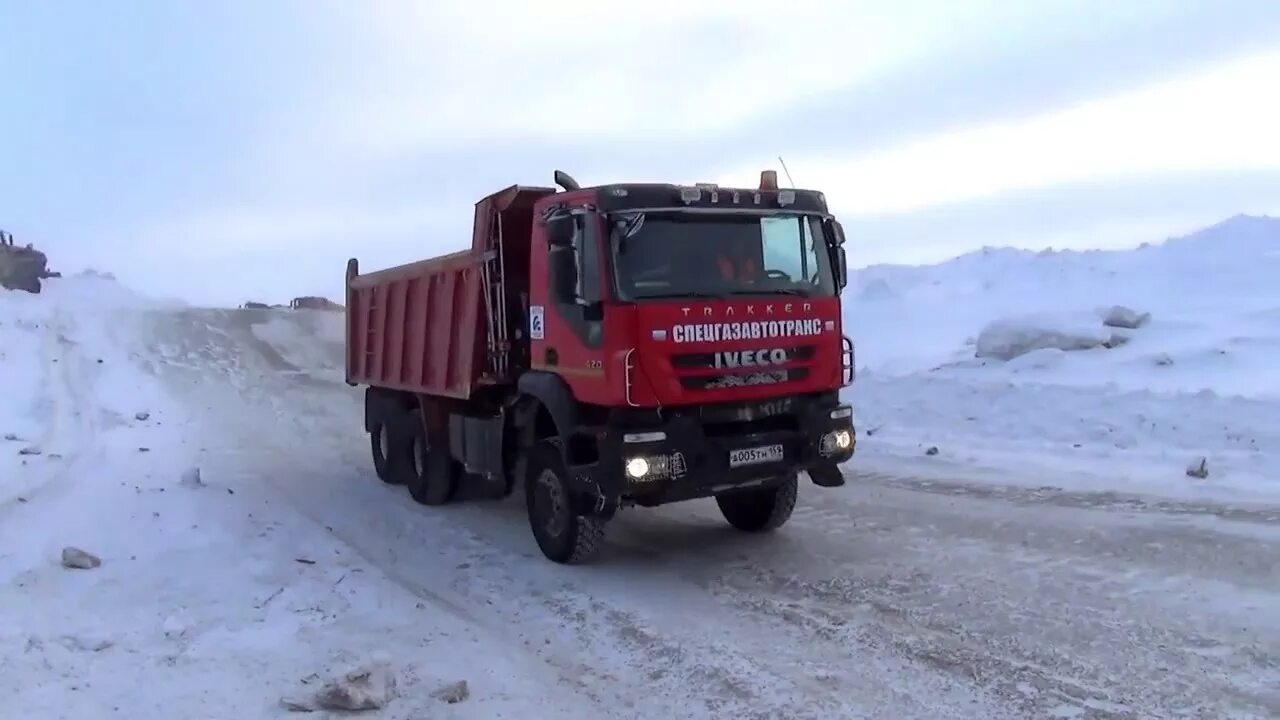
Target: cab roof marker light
690,195
786,197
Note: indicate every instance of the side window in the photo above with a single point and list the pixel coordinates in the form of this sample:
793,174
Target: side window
784,249
575,282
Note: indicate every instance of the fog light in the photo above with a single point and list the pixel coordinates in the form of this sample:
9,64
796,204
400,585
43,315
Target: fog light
835,442
637,468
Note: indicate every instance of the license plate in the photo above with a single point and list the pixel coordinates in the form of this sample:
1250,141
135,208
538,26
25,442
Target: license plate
755,455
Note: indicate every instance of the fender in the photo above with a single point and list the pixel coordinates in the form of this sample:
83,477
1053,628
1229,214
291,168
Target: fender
554,394
381,402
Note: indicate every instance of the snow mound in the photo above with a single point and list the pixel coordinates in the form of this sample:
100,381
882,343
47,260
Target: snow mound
1009,338
1115,365
1203,309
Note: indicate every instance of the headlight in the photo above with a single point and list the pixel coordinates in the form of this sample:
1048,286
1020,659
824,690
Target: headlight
637,468
656,467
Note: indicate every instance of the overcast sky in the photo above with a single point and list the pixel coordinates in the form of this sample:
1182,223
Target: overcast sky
241,150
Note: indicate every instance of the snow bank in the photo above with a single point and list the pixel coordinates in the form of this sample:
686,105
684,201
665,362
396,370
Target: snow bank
1015,359
307,339
1007,339
1211,307
225,599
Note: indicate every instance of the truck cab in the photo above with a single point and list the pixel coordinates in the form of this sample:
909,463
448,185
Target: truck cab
698,330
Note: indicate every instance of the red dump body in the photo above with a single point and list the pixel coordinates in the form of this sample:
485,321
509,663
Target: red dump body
423,327
394,315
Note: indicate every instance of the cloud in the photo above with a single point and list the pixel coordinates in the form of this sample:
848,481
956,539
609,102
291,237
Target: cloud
1219,119
248,139
1115,213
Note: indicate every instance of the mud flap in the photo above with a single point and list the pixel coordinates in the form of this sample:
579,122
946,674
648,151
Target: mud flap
826,475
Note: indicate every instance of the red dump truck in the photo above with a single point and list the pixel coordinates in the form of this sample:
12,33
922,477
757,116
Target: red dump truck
613,346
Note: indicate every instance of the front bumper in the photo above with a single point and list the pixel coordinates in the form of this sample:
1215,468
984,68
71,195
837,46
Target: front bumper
684,458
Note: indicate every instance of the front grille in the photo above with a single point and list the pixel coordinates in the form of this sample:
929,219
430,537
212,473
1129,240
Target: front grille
709,360
776,423
743,368
743,379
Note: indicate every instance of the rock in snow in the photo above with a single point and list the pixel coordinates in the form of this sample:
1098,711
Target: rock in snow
78,559
367,688
1199,468
1119,316
453,692
142,415
191,478
1009,338
296,705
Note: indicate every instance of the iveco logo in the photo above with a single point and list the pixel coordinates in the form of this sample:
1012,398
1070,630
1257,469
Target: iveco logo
748,358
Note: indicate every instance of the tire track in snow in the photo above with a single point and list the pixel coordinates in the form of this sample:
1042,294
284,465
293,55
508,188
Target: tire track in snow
70,437
611,623
881,597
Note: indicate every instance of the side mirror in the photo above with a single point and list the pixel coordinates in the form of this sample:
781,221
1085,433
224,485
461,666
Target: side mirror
842,268
563,262
560,231
836,230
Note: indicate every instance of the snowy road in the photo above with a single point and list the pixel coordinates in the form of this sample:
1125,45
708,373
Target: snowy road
887,598
892,597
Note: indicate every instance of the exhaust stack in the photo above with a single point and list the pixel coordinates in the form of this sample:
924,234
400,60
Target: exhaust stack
566,181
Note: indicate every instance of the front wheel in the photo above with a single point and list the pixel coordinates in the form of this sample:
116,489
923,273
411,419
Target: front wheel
563,533
760,509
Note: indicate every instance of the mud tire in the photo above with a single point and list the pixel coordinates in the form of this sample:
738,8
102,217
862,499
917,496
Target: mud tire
563,532
430,473
383,443
762,509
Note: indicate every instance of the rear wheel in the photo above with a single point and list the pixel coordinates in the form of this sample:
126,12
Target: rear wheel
383,447
761,509
429,472
564,534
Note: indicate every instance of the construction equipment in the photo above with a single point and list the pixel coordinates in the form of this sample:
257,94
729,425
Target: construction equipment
22,268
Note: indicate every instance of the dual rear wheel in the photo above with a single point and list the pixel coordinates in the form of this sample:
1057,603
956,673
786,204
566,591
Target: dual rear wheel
402,455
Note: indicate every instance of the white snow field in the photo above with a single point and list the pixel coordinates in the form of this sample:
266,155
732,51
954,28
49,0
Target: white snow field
1001,360
1010,575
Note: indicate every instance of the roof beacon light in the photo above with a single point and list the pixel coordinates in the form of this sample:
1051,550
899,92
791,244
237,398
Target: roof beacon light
768,179
690,195
786,197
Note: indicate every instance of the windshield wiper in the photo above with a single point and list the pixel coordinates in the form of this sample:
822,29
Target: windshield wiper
683,294
773,291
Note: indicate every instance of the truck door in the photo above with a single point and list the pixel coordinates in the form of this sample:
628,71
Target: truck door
566,301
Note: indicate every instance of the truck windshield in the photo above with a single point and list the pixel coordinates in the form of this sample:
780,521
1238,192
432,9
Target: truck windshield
681,254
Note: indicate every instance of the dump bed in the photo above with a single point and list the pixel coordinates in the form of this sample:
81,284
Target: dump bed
418,327
446,325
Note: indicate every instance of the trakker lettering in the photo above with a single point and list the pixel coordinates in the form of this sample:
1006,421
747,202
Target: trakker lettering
748,358
719,332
